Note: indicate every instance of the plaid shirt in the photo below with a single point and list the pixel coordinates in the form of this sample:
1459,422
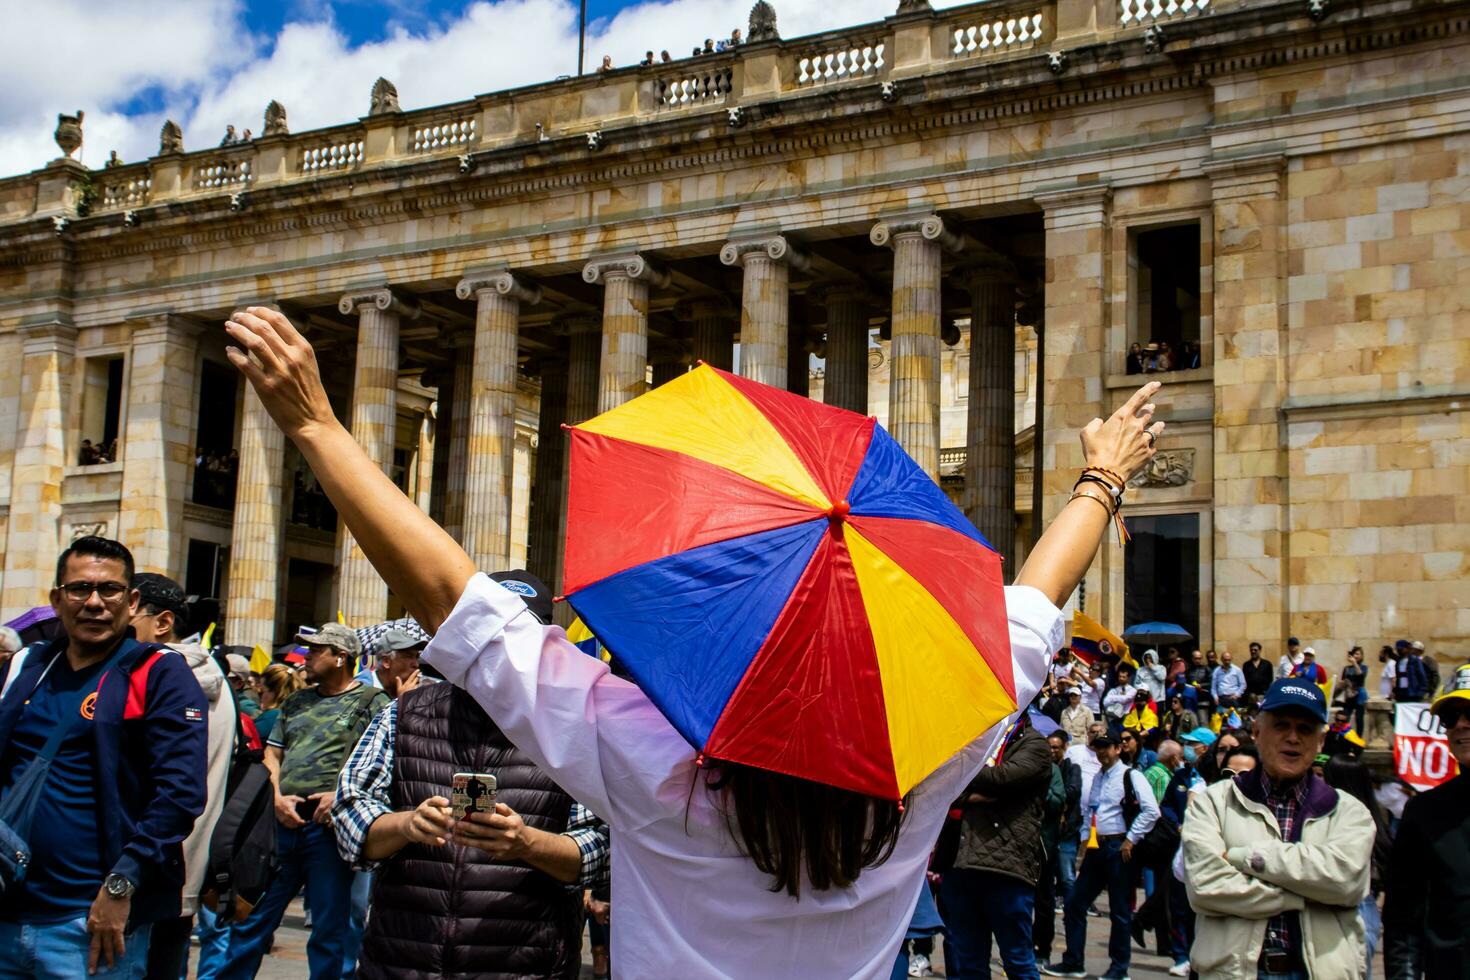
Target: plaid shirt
1284,931
362,797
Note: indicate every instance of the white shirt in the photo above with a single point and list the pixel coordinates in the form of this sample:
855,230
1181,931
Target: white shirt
1084,759
1092,690
1287,662
688,903
1386,675
1119,700
1104,802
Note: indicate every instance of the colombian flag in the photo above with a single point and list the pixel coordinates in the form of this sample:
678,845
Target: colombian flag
1092,643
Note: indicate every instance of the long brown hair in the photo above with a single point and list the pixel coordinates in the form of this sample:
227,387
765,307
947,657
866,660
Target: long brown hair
783,824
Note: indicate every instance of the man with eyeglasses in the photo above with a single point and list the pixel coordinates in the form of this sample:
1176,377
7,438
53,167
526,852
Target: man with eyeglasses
124,724
1428,890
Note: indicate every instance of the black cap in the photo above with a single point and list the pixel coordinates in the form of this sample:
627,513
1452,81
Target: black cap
161,592
1106,738
1295,694
530,588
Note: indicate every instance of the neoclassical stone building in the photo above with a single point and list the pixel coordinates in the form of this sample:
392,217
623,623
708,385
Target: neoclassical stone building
959,221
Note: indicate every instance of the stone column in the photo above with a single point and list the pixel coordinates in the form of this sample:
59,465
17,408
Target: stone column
523,454
798,361
765,305
668,367
362,593
461,394
1252,594
1076,321
441,380
488,481
255,539
35,535
990,456
846,385
544,559
913,391
714,333
623,370
586,345
158,445
423,463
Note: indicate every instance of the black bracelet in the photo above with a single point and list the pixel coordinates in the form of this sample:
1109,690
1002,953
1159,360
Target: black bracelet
1113,491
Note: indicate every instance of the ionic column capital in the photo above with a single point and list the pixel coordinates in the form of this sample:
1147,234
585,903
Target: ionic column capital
925,225
501,281
829,292
629,266
701,307
988,269
576,324
380,298
777,248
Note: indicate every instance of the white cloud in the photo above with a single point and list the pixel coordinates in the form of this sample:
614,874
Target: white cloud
62,55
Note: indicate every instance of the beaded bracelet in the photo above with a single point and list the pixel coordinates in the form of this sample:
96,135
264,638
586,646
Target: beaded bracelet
1117,480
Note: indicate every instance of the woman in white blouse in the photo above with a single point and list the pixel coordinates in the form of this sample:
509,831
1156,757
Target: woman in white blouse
729,873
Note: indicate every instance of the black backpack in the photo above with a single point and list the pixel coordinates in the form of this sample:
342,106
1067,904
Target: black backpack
1162,840
242,850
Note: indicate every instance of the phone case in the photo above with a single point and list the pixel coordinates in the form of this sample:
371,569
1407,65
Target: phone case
472,792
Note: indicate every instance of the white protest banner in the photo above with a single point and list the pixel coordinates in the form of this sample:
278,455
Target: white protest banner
1421,753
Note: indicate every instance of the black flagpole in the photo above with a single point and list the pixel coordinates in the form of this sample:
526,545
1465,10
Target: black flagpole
582,39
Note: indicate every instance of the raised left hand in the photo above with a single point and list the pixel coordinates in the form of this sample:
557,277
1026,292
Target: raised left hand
107,921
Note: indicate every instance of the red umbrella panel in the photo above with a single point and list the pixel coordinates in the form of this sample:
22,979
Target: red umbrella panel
785,583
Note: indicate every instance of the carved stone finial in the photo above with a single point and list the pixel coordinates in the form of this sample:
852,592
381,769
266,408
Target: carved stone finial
385,98
170,138
275,120
762,23
913,6
69,132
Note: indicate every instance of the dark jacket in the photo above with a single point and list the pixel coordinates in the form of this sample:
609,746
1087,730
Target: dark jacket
1428,895
1004,836
151,753
454,911
1258,676
1072,808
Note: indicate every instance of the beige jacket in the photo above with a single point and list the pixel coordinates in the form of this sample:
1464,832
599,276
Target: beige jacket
1239,873
221,721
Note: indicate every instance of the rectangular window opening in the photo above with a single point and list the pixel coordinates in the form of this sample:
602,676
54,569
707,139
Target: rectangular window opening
1165,286
102,394
1161,571
216,463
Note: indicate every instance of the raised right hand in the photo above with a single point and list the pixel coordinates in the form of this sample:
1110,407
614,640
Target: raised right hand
282,367
1125,442
286,811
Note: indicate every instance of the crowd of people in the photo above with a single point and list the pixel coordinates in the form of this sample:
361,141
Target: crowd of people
1202,827
449,807
710,46
92,453
1160,355
215,474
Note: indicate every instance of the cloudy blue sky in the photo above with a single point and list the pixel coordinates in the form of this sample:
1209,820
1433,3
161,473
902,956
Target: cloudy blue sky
130,64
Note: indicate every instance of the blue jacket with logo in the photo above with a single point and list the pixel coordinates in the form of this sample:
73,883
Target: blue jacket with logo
151,740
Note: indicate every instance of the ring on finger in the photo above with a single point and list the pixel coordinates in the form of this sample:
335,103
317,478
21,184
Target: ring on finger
1151,437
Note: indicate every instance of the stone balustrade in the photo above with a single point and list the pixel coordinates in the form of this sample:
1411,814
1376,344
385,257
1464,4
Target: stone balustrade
1133,12
586,111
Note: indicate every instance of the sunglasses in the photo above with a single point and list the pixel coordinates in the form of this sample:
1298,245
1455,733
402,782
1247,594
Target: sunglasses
1451,713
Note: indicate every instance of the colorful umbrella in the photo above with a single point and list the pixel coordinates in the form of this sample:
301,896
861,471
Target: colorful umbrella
785,584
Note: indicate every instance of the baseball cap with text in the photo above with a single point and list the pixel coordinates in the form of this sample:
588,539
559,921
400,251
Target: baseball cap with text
1294,694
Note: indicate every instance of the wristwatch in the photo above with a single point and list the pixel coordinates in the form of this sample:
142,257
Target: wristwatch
118,886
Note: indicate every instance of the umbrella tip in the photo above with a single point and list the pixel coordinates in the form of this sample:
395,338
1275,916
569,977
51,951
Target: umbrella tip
558,598
699,760
565,427
700,362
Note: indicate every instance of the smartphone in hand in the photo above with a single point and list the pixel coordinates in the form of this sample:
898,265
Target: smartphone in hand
472,792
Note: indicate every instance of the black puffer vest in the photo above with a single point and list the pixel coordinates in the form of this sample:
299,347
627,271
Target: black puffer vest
451,911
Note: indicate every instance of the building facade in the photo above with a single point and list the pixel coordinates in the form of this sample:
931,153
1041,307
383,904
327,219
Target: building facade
960,221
